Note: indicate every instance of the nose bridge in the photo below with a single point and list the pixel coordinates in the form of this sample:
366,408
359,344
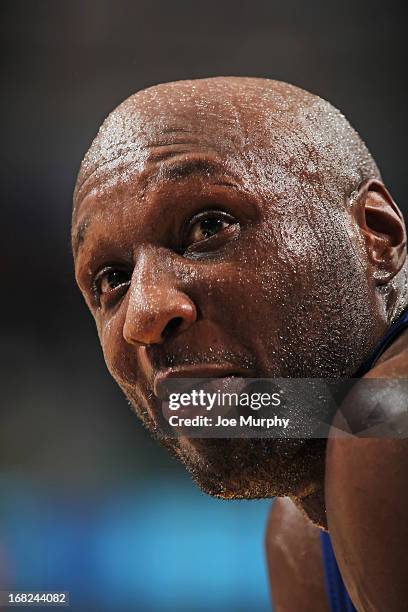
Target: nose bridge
148,268
156,298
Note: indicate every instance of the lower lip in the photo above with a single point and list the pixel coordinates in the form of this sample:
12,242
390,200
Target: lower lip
226,384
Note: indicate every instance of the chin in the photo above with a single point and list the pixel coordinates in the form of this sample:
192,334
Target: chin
250,469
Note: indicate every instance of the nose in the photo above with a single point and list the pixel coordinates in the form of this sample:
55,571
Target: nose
157,306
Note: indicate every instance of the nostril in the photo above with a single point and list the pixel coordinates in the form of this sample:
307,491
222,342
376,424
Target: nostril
171,326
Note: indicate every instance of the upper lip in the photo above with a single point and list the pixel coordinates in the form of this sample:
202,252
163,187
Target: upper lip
213,370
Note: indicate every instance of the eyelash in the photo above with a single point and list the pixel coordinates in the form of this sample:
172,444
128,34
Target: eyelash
204,216
100,276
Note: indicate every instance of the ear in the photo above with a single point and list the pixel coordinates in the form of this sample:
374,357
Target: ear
382,225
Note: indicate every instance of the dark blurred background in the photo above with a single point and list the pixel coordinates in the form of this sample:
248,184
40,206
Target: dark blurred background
89,503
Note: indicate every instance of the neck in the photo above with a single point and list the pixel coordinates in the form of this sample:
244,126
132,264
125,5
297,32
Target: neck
396,294
313,505
309,493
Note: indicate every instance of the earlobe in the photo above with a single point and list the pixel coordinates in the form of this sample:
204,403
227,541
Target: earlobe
382,225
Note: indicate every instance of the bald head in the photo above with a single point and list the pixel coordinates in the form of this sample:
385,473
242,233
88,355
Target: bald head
264,128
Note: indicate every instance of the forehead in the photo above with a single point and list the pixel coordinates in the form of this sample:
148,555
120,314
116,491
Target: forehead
226,118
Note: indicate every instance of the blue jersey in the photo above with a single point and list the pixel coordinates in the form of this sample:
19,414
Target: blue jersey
337,595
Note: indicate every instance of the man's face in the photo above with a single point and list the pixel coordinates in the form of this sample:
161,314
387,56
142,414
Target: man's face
214,247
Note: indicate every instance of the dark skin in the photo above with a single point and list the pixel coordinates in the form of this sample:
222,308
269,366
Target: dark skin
205,209
293,552
366,503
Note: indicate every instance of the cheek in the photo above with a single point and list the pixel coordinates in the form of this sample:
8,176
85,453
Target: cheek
301,299
117,353
243,295
309,263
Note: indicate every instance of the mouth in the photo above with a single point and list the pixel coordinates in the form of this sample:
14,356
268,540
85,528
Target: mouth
218,371
185,381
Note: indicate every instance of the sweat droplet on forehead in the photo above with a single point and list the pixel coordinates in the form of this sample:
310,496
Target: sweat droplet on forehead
270,131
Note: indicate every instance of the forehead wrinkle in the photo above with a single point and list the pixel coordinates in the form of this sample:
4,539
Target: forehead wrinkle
175,135
81,185
79,233
139,151
175,167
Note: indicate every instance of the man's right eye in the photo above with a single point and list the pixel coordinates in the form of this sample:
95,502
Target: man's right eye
110,279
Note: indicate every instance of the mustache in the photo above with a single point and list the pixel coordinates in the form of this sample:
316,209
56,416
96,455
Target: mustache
184,356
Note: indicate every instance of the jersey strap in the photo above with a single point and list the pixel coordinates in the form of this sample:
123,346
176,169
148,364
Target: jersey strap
396,328
337,595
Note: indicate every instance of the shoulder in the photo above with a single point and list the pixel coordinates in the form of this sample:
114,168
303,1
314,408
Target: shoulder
365,485
376,405
294,560
367,506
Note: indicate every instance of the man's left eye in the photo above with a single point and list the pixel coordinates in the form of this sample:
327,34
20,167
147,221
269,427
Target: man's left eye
207,225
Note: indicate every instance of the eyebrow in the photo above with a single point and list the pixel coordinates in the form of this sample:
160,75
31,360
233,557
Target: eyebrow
171,171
